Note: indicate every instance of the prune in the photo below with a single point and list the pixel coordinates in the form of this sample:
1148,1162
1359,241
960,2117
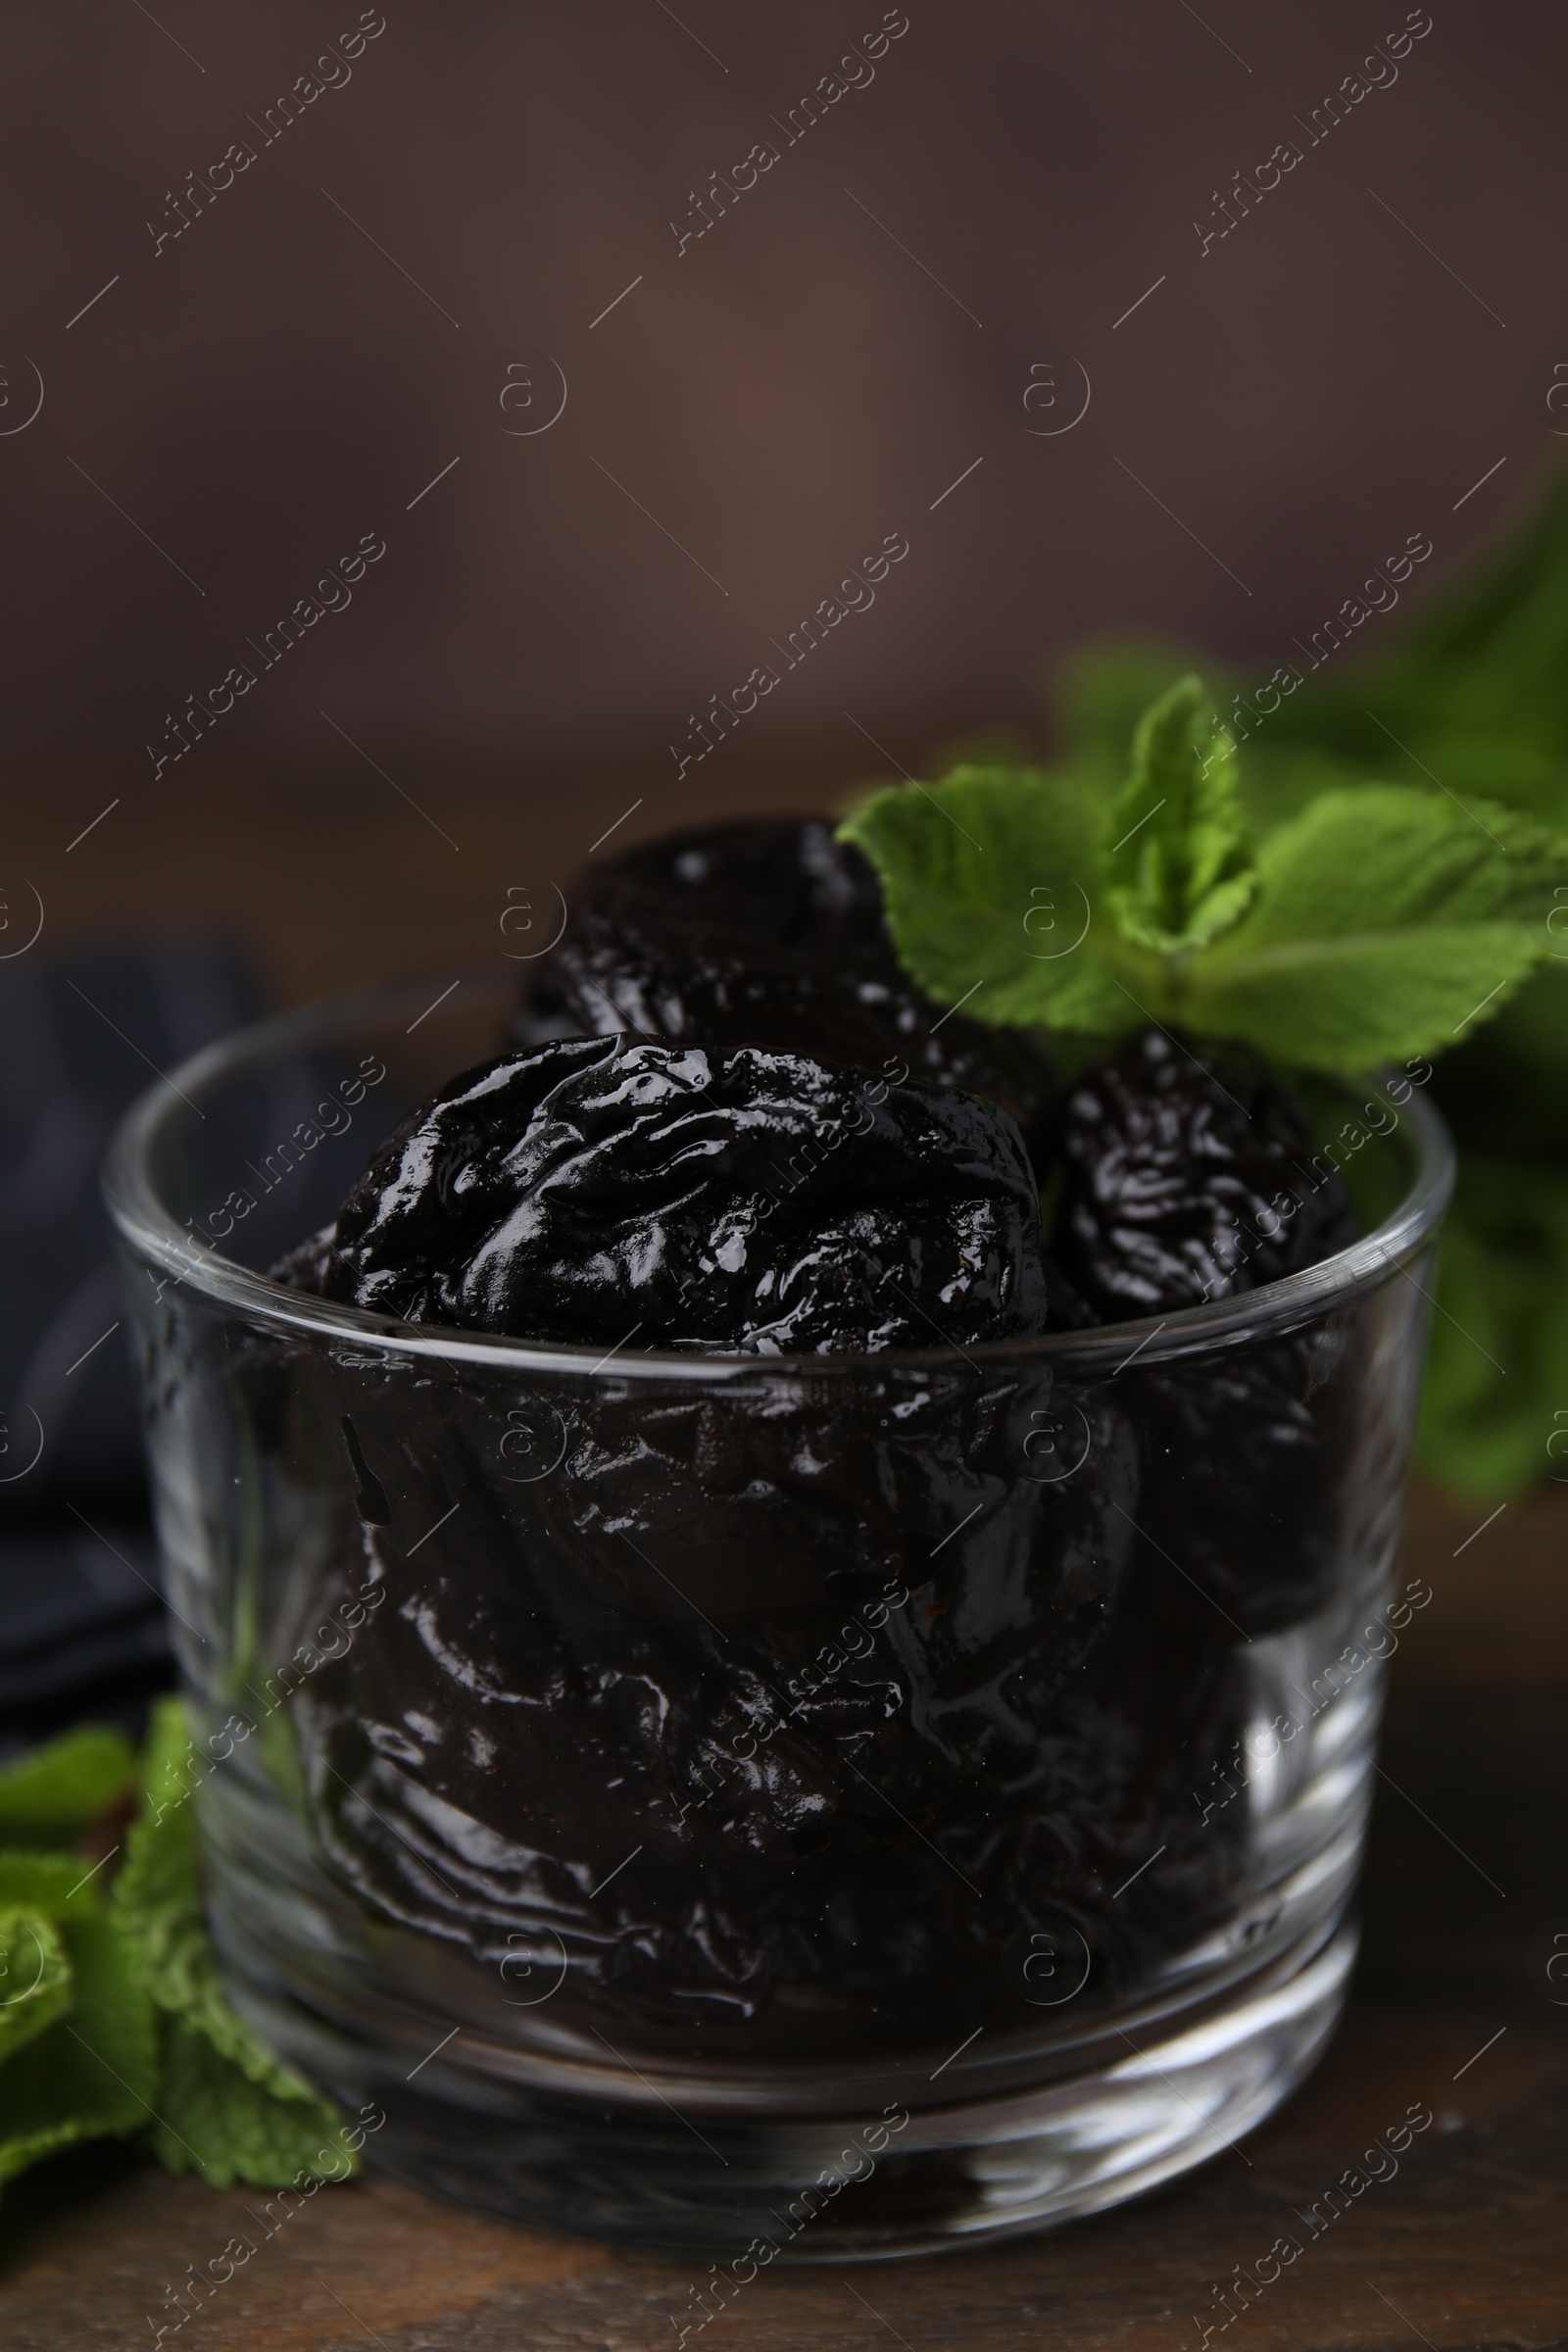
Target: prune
796,1640
764,933
1174,1165
596,1192
717,1721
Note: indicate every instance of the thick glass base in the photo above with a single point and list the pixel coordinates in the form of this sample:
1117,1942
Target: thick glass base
888,2172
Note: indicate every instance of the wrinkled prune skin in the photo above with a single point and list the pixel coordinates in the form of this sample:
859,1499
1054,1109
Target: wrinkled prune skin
1188,1178
765,933
1172,1164
715,1722
596,1192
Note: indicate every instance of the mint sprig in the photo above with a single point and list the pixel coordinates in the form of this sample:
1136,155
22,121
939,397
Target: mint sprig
113,2019
1193,872
1380,922
226,2107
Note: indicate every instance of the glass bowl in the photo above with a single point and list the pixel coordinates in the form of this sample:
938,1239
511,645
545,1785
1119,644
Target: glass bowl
682,1789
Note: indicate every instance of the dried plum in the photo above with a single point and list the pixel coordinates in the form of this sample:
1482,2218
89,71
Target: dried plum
1173,1169
749,1728
1172,1164
764,933
595,1191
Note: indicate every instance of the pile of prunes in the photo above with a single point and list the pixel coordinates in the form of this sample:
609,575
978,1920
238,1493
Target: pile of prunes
871,1687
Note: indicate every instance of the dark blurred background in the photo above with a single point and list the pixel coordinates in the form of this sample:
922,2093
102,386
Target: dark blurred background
413,418
331,330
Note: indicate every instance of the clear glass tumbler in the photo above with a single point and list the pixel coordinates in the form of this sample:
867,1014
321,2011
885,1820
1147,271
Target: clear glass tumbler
796,1808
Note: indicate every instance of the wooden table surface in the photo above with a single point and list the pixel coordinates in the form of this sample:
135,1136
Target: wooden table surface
1465,2250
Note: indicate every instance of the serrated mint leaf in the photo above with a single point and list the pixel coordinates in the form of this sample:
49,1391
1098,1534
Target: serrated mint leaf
56,1791
35,1980
225,2105
1343,1005
92,2073
994,888
216,2118
1388,922
1179,869
156,1898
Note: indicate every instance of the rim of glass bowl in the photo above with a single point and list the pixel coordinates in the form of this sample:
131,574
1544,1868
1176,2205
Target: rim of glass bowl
144,1223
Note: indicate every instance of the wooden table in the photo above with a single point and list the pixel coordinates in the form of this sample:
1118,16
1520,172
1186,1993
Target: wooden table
1466,2250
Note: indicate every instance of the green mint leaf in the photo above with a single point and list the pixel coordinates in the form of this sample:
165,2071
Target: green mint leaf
993,884
226,2104
63,1886
1388,922
34,1980
92,2073
217,2118
1180,840
55,1792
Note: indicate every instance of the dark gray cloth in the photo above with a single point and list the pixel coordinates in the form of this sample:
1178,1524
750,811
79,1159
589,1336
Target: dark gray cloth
82,1610
81,1622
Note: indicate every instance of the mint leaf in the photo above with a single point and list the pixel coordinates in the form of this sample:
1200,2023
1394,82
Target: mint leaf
1179,826
217,2118
83,2065
34,1980
93,2071
1388,922
226,2104
56,1791
994,889
1378,923
60,1885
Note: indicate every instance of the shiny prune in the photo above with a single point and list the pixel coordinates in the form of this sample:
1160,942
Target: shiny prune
769,933
599,1193
747,1725
1172,1164
1188,1178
